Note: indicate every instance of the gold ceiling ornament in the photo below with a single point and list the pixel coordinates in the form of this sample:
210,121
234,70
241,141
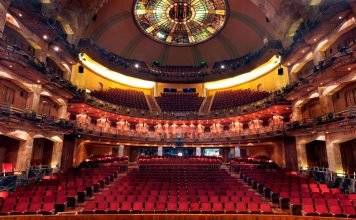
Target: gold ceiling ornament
181,22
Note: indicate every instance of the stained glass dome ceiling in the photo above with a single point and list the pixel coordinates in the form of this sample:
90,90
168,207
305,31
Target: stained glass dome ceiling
180,22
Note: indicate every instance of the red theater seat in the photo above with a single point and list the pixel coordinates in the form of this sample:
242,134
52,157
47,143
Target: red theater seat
183,207
206,207
113,207
218,208
266,208
149,207
230,207
89,207
125,207
241,207
172,207
47,209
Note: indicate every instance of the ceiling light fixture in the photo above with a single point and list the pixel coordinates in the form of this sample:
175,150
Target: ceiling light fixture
56,48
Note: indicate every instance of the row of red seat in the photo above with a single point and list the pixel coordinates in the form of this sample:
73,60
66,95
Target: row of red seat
127,98
100,207
55,194
181,191
235,98
179,102
157,160
301,194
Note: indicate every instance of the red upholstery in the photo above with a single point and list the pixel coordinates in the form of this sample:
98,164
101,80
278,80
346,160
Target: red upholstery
236,98
128,98
179,102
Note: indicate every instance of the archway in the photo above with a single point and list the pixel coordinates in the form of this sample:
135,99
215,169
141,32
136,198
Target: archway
316,154
9,148
348,156
42,152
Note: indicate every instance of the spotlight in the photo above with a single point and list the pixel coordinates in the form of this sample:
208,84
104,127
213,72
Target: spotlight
137,65
222,67
56,48
45,37
20,14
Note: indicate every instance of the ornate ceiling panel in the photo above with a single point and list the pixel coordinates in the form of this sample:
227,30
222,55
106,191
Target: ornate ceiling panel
180,22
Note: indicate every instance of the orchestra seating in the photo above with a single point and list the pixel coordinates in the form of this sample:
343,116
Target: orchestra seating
179,102
57,192
298,193
183,189
127,98
232,99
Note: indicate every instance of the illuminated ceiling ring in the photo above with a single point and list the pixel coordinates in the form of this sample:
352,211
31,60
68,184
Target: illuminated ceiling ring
180,22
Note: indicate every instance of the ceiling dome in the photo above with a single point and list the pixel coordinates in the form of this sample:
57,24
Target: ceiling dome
180,22
243,29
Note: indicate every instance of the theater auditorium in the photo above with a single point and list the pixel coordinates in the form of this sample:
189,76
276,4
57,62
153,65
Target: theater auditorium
177,109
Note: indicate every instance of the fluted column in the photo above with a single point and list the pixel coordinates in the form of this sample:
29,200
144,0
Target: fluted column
121,150
160,151
57,154
334,156
301,154
34,98
237,152
198,151
24,155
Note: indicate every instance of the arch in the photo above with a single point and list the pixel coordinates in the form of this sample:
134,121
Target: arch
317,154
47,106
311,108
9,148
12,94
42,151
344,96
16,39
348,156
7,77
325,44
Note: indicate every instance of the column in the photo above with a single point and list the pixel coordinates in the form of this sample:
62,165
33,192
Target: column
302,155
57,154
62,111
318,56
297,113
121,150
160,151
79,154
232,153
4,5
41,53
198,151
237,153
24,155
334,156
34,99
326,104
